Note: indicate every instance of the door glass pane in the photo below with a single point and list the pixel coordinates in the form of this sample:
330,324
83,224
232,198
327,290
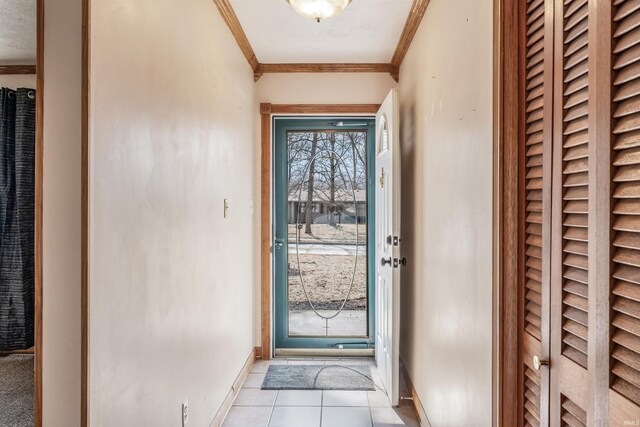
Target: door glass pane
327,233
384,135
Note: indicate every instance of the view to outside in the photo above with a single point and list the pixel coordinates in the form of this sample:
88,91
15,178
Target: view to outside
327,228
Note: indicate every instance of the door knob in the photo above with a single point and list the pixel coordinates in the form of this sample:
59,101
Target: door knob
538,363
384,262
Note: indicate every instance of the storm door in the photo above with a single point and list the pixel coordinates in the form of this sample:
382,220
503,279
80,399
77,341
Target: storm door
324,233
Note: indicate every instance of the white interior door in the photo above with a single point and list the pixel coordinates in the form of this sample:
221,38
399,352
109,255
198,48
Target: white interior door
388,245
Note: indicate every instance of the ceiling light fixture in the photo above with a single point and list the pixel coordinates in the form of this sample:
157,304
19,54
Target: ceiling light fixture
319,9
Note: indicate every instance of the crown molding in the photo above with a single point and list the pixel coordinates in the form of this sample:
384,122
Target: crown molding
17,69
230,18
414,19
416,14
329,68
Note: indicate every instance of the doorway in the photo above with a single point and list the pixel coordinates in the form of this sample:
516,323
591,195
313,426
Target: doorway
323,234
21,88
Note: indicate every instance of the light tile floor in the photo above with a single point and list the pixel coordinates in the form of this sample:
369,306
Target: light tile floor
254,407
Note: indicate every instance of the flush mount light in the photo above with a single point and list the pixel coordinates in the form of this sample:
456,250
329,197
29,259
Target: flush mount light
319,9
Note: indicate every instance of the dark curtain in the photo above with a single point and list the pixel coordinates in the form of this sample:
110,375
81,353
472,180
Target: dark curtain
17,217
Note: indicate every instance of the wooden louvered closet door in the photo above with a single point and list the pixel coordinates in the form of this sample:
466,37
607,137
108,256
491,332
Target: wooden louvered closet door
624,326
580,213
570,216
535,199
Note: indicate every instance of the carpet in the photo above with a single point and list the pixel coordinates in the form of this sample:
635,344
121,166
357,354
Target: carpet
318,377
16,390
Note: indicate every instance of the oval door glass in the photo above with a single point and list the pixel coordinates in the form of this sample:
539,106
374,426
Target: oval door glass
384,135
327,234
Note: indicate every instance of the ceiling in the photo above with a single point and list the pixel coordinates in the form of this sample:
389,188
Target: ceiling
18,32
366,32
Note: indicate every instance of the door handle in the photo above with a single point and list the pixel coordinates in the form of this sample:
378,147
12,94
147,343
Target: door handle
279,243
384,261
539,363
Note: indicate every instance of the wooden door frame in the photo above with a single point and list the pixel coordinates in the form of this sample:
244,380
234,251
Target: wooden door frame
507,405
39,183
267,111
84,219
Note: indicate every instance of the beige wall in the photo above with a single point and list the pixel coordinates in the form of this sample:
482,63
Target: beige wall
171,283
446,133
324,88
61,213
16,81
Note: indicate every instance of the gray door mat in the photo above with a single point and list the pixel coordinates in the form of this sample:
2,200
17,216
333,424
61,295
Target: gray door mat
318,377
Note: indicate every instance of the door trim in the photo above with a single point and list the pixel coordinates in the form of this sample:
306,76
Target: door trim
507,81
267,111
39,173
84,236
265,231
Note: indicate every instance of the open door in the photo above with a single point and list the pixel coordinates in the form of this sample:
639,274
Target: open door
388,261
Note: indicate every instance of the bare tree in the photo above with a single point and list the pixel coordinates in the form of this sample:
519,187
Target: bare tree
332,183
357,144
338,169
309,213
298,144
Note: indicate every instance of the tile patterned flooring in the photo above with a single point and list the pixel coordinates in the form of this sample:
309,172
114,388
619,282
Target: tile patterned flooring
254,407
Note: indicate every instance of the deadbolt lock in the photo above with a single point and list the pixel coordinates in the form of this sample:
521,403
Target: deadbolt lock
395,262
393,240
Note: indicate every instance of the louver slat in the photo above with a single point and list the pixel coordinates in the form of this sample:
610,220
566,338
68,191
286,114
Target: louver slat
533,165
535,96
531,397
571,414
575,170
625,219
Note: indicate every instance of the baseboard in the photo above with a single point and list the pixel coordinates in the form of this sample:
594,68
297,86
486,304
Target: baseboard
258,352
10,352
417,404
237,384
